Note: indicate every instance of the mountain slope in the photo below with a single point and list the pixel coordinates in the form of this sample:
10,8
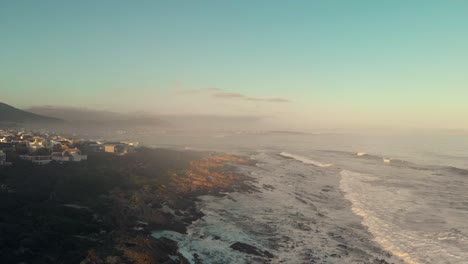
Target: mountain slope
85,117
11,114
91,117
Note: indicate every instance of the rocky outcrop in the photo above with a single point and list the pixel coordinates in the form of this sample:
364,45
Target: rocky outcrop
251,250
103,211
207,174
148,204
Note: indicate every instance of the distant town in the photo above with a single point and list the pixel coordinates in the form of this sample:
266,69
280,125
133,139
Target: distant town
43,147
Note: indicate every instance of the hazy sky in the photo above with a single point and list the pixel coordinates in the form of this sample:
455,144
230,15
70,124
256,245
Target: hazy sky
303,63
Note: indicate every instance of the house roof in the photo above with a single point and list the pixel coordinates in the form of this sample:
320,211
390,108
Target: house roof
72,150
113,143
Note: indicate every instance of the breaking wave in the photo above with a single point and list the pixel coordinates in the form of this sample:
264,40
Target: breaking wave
305,160
456,170
355,191
377,207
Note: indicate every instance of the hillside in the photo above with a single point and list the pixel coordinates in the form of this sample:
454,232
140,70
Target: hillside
91,117
11,114
86,117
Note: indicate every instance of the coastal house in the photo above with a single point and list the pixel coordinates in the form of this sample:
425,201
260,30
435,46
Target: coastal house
71,154
74,154
65,143
96,147
6,138
117,148
40,147
38,143
58,156
57,146
40,160
90,146
25,137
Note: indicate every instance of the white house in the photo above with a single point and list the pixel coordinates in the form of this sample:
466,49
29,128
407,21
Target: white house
69,155
40,160
58,156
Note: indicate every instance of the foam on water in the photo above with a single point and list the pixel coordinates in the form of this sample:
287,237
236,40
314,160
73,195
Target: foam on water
355,191
298,215
415,206
389,212
305,160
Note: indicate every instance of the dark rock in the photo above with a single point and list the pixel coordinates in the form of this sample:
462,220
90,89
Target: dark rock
251,250
167,245
197,259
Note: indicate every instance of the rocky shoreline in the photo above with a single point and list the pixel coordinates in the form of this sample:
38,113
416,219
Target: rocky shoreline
106,210
133,209
172,207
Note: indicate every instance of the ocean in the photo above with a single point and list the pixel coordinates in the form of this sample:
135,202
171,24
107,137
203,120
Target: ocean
334,198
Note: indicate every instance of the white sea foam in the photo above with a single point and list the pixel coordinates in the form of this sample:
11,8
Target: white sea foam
355,189
359,154
295,220
305,160
417,212
384,209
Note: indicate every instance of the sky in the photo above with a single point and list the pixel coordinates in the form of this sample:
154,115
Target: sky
301,64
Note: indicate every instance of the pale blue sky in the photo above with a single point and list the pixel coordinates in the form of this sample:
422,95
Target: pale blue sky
347,63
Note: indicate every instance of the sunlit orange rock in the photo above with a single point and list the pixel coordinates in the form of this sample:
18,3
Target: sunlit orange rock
207,173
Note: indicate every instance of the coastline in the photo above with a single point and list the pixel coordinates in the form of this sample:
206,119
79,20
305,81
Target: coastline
317,226
103,210
174,208
148,202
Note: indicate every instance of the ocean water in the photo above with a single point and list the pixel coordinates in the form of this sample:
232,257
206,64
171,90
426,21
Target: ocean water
330,198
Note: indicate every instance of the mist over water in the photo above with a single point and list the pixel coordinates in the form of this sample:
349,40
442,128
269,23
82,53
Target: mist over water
216,76
409,191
